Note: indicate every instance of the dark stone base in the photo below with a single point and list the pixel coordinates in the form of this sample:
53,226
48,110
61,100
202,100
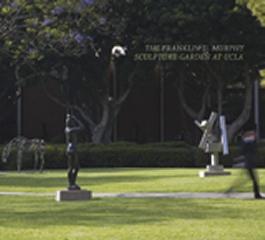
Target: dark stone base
73,195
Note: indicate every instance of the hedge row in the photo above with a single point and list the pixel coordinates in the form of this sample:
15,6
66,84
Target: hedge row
170,154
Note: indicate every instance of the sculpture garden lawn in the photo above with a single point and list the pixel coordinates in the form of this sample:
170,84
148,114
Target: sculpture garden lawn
124,180
41,218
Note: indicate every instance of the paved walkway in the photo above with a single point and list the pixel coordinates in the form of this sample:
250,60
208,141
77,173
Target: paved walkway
182,195
179,195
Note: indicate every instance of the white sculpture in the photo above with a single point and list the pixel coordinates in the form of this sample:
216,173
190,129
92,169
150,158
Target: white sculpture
213,144
118,51
22,144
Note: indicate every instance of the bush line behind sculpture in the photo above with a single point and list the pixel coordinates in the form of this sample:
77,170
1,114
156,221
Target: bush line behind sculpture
21,145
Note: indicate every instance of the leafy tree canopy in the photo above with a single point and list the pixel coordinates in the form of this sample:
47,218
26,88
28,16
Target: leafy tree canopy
258,9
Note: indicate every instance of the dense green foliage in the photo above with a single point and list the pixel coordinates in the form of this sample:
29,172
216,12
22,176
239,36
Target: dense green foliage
69,42
120,155
171,154
258,9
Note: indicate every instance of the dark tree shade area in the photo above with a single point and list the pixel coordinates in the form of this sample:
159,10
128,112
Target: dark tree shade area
80,55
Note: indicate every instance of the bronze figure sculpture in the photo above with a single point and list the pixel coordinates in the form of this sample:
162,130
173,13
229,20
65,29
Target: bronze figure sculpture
72,127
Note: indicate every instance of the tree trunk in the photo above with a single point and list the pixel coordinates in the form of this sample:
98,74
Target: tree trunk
101,135
100,125
220,97
189,111
102,132
234,127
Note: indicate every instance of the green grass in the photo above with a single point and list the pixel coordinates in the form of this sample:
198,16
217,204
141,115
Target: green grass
125,180
41,218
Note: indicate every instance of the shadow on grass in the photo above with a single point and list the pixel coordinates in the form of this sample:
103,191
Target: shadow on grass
28,212
30,180
54,182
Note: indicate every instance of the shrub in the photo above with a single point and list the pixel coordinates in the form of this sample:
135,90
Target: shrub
125,154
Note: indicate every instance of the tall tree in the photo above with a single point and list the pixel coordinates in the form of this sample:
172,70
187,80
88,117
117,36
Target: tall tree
71,42
216,23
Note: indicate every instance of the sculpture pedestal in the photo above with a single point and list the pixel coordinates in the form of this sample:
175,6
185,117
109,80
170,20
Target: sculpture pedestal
73,195
216,170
